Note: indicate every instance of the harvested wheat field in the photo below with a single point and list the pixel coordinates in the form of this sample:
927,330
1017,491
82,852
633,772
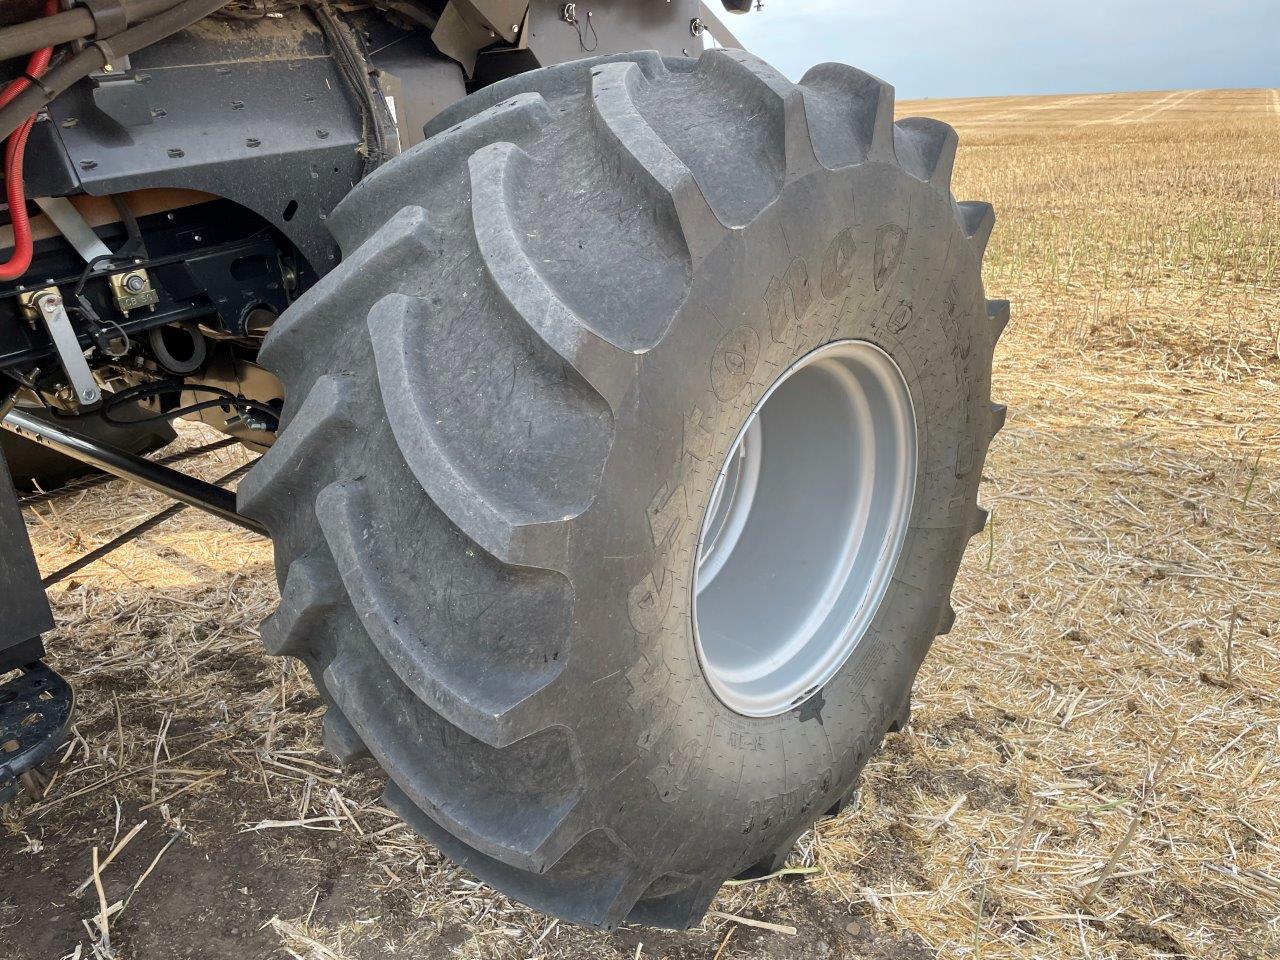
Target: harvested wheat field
1093,765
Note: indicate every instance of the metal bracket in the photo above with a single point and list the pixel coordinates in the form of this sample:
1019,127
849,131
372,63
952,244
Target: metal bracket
132,289
109,17
468,26
27,303
123,99
67,343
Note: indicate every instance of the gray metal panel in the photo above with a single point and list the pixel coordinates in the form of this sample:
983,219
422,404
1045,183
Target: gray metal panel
24,610
619,26
259,118
420,80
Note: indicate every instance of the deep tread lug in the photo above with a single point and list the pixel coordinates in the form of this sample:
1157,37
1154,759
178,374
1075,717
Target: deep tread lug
851,115
926,149
274,481
614,86
565,79
782,100
946,621
513,818
604,903
680,910
978,219
376,198
408,238
495,713
999,413
775,861
341,739
512,539
311,590
610,368
998,316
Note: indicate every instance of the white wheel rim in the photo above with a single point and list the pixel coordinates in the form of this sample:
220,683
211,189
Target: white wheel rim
804,528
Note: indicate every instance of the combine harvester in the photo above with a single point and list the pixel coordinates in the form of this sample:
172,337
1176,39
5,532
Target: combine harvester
621,418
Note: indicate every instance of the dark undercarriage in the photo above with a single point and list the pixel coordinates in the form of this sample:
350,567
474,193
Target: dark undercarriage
177,200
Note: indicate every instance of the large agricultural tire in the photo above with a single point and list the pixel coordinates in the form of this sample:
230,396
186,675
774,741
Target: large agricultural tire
507,411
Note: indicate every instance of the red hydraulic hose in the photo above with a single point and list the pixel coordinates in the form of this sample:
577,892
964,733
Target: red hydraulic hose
20,260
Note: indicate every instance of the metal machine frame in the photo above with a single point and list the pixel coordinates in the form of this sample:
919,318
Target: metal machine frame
229,145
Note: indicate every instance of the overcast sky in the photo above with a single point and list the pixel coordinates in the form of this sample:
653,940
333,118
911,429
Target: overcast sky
962,48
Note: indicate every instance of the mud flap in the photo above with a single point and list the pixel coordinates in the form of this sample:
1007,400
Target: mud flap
24,609
35,703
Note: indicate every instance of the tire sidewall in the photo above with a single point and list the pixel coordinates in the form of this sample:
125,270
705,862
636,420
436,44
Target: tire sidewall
866,253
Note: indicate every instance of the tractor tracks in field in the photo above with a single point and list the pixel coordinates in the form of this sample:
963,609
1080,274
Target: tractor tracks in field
1146,111
1017,113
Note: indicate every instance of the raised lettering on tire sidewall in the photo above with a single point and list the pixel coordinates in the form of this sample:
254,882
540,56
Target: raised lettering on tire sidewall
880,258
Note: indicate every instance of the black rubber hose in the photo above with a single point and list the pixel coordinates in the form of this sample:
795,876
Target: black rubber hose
93,58
24,38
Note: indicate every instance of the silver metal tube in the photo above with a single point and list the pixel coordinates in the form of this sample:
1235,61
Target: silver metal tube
717,28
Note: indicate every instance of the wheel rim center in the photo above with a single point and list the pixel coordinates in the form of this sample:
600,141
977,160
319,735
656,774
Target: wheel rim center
804,528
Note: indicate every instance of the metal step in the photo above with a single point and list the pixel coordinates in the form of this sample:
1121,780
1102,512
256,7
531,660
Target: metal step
35,717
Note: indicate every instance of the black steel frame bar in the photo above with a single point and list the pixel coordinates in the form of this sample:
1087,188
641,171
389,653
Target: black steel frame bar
97,479
189,490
